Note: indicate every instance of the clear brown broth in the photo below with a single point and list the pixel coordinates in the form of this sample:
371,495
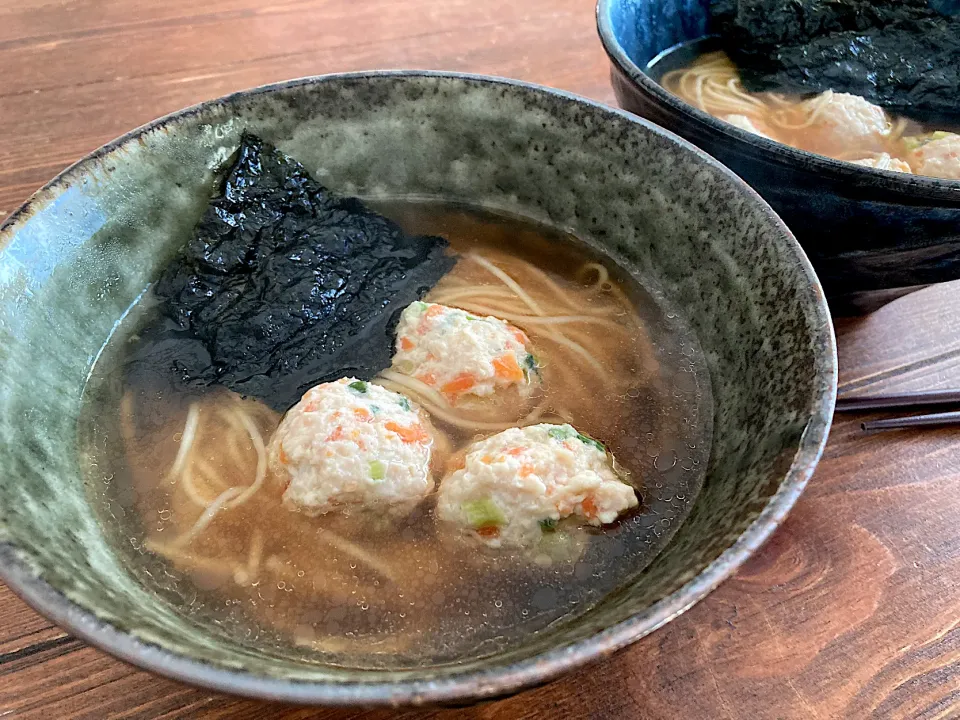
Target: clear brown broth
416,596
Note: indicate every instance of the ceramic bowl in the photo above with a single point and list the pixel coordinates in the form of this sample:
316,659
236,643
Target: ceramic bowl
870,234
82,249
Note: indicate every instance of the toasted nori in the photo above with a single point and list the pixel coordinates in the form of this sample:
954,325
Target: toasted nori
283,285
901,54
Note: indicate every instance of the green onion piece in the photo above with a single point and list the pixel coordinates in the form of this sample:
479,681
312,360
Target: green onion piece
420,305
404,403
404,366
378,471
912,142
548,524
374,409
561,546
359,385
483,513
562,432
530,365
590,441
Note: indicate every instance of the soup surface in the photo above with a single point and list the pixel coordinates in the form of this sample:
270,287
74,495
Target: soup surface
375,590
838,125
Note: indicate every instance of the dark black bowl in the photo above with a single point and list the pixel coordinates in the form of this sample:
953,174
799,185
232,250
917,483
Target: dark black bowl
870,234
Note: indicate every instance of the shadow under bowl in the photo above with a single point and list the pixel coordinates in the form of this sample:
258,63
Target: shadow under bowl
84,247
870,234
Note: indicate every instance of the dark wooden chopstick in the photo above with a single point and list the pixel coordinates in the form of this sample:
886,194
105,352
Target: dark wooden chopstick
929,420
898,400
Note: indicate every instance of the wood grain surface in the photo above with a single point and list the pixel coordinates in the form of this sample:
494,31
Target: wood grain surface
851,610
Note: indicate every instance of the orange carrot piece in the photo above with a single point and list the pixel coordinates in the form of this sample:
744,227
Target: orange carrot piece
525,470
520,335
284,460
363,414
427,379
589,507
411,434
506,368
515,451
488,531
434,311
406,343
337,434
427,320
461,383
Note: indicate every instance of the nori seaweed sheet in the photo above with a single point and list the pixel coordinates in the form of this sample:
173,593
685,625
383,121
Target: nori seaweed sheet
283,285
901,54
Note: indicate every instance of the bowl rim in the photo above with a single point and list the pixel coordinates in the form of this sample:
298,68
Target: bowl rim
914,184
480,684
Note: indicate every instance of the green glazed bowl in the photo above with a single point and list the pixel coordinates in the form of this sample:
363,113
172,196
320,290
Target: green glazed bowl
82,249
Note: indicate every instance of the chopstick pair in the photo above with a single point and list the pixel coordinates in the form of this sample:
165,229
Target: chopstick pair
900,401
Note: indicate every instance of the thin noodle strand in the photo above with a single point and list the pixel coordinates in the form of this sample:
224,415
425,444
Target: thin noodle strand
206,517
449,296
128,428
191,490
256,553
562,295
358,553
580,350
197,562
508,281
552,319
449,417
186,441
414,385
261,449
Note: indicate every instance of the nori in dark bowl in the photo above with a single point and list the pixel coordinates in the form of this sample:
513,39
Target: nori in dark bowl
903,55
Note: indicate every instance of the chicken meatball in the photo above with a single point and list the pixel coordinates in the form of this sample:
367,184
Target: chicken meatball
884,162
349,445
844,123
745,123
518,484
463,355
937,155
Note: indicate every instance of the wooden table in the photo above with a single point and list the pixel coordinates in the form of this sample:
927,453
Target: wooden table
851,610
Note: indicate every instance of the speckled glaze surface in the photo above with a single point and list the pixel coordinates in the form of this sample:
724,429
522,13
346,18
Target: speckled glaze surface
77,255
864,230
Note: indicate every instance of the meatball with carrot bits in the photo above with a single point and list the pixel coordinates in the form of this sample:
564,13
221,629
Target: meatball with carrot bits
884,161
936,154
350,445
841,123
464,356
519,484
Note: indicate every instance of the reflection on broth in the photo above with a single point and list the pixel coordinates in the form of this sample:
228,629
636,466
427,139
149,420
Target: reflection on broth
202,493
